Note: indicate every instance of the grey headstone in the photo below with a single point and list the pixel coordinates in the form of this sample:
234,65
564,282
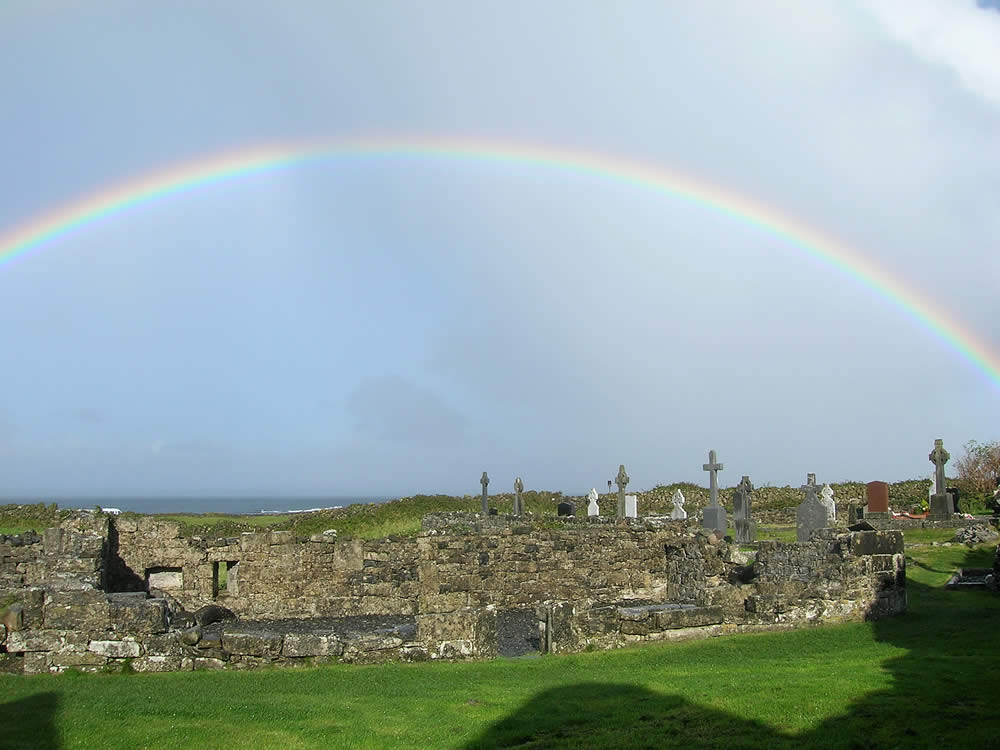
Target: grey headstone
566,508
518,500
485,481
746,528
939,457
811,514
942,506
713,516
622,481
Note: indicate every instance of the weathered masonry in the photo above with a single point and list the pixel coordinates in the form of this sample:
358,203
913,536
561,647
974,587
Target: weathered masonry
97,591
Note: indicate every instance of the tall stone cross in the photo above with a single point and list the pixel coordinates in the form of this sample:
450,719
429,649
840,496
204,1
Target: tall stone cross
518,500
713,469
485,480
621,480
939,456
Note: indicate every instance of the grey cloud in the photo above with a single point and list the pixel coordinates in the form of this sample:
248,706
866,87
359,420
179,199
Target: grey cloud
393,409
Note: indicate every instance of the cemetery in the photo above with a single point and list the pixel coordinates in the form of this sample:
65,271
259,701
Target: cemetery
101,589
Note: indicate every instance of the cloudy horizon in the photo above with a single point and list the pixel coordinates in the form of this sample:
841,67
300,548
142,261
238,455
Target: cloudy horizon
379,327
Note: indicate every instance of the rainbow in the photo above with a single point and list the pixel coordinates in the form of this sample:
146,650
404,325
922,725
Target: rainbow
77,215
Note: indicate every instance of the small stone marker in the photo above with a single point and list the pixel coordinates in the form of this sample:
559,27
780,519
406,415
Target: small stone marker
485,480
593,509
518,500
713,516
942,507
621,480
746,528
811,514
678,513
878,500
631,506
826,497
566,508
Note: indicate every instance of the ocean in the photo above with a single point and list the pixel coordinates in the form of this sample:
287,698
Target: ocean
231,505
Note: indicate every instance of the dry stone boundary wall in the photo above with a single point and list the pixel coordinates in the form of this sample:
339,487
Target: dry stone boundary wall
96,594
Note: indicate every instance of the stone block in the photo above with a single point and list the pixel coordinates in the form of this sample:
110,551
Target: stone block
116,649
135,615
670,619
52,539
257,643
157,663
12,618
205,663
311,644
876,542
76,610
171,579
162,645
280,537
35,662
85,661
34,640
942,507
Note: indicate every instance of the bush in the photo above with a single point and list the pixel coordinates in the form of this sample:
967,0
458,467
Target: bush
979,468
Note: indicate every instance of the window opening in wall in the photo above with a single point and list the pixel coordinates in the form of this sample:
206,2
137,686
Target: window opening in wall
225,579
168,579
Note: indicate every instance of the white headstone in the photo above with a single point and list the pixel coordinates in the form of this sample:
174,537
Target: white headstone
678,513
631,506
826,497
593,509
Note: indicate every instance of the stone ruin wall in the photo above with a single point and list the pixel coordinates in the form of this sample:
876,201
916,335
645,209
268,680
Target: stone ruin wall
77,597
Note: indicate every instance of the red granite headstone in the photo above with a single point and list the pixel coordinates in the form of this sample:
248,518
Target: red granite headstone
878,497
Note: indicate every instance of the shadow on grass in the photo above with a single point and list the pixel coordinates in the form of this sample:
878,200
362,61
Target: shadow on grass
29,723
943,695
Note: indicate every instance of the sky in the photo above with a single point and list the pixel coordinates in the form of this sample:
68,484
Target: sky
391,325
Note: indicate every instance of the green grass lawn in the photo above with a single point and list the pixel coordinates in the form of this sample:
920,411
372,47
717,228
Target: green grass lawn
925,679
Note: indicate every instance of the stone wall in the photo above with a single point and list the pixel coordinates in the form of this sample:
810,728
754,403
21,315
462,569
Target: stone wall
97,595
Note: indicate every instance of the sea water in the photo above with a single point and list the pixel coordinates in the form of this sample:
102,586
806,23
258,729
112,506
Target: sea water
268,504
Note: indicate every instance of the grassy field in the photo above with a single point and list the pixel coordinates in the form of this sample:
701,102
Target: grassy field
926,679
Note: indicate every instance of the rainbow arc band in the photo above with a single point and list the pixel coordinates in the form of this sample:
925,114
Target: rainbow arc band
106,203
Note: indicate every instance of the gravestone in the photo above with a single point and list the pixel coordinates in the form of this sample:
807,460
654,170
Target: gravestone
811,514
593,509
631,506
518,500
746,527
714,515
678,513
878,500
621,480
485,480
826,497
942,507
566,508
956,495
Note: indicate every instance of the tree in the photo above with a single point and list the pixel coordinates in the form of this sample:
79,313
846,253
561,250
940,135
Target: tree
980,466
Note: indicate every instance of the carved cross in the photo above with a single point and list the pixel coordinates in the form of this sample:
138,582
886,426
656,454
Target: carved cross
485,480
518,501
713,468
621,480
939,456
